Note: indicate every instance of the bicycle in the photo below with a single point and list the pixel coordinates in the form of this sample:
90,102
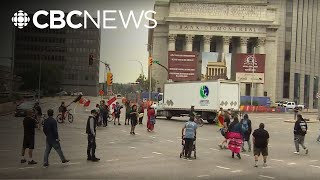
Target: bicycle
199,121
67,115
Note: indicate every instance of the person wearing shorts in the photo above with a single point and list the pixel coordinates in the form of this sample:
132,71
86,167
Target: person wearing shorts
134,118
29,124
260,138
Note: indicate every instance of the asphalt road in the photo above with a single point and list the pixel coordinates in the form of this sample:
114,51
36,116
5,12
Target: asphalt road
156,155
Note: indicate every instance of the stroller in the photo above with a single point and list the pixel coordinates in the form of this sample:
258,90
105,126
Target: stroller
193,148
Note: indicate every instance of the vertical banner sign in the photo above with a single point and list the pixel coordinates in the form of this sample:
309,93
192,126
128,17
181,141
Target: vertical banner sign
250,68
182,65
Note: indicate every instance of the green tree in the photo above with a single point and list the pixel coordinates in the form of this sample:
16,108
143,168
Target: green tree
144,83
51,78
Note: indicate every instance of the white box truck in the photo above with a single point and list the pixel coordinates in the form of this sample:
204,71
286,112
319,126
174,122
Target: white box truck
207,97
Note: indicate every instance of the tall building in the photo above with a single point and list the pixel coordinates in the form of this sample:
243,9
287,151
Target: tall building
67,48
283,34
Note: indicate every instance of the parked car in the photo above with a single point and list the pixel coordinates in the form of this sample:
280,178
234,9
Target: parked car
292,105
278,103
23,107
62,93
289,105
76,93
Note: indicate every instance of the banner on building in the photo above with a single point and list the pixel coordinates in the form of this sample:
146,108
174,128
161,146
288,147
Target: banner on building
250,68
182,65
207,57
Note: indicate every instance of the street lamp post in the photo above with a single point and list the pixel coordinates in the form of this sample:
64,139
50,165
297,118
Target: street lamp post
150,49
253,62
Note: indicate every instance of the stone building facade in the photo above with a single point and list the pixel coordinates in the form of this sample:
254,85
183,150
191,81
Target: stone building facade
284,30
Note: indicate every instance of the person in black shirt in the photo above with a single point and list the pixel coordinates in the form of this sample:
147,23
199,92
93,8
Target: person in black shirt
300,131
29,124
260,138
91,131
50,129
134,118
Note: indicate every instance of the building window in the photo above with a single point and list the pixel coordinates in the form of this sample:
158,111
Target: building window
315,91
179,42
286,82
306,89
248,89
296,92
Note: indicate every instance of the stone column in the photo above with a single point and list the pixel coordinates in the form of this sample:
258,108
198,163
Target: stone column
243,44
189,42
206,43
261,45
172,42
261,50
243,49
225,46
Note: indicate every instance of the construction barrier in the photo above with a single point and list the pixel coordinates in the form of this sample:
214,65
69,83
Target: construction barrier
262,109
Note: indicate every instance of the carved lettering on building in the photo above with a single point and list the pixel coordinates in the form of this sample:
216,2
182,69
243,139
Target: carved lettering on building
220,11
218,28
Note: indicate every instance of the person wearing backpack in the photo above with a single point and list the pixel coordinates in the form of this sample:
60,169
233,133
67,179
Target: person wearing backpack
246,129
300,131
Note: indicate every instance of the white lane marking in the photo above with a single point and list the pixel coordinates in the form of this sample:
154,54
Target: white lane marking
170,141
4,168
156,153
189,160
313,160
291,164
132,147
72,163
269,177
111,142
315,166
203,139
110,160
245,154
4,150
205,175
221,167
214,149
279,160
137,134
152,136
97,138
147,157
236,171
26,168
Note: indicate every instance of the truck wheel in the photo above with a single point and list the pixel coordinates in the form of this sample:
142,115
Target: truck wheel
210,121
169,117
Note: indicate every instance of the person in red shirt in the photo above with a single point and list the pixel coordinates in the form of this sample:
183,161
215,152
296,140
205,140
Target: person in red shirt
151,118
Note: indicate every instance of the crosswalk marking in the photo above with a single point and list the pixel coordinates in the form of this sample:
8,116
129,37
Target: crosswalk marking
269,177
221,167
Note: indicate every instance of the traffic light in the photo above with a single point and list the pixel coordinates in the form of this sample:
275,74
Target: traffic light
150,61
90,59
109,79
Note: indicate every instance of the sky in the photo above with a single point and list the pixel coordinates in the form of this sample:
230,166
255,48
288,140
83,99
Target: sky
120,48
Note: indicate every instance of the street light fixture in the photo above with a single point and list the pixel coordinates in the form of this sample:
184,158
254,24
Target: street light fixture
150,49
141,66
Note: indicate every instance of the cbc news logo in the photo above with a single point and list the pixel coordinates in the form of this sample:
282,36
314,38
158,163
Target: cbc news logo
20,19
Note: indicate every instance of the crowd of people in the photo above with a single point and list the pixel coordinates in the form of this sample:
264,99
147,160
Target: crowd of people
235,132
